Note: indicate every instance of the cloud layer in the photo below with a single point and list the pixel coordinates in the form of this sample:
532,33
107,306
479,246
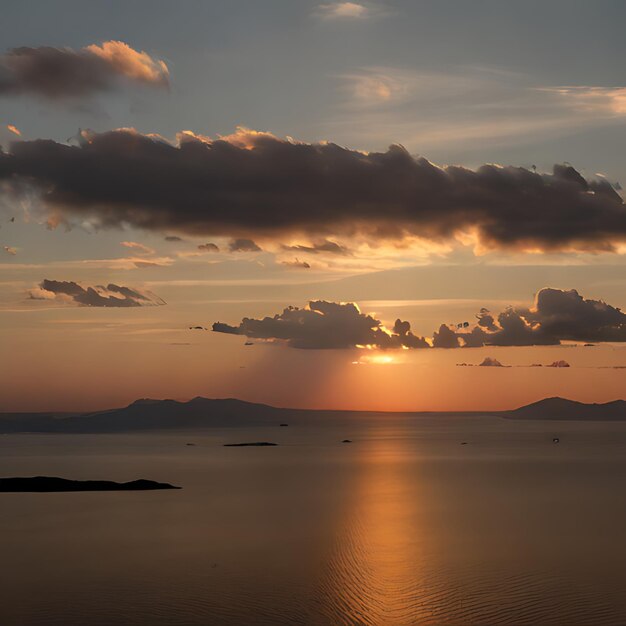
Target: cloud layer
556,316
56,73
98,296
253,184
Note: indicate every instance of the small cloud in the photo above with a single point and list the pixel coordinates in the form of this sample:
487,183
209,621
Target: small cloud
173,238
297,264
14,129
325,245
490,362
10,250
243,245
209,247
343,11
112,295
139,247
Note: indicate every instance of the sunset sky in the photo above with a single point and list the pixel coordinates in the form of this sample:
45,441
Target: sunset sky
342,205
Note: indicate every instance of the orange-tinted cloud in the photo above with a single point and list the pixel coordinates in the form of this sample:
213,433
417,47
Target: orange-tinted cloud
66,73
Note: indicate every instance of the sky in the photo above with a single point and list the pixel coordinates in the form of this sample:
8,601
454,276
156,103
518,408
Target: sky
346,205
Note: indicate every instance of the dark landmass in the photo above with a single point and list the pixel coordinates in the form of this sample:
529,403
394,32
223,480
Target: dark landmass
562,409
347,441
148,415
51,483
254,443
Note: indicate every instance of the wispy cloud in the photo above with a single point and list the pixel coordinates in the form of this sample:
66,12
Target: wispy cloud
592,100
343,11
140,248
426,110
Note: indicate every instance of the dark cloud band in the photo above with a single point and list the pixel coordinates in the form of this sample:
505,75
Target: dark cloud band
254,185
556,316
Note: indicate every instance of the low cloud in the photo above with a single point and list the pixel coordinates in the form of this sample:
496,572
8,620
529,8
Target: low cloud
490,362
324,246
173,238
10,250
296,263
58,73
208,247
557,315
112,295
243,245
325,325
252,184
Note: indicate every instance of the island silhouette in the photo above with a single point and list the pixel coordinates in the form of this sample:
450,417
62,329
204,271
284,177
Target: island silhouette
52,483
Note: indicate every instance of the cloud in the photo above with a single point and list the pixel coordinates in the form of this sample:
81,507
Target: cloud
559,364
98,296
173,238
257,183
490,362
610,100
208,247
10,250
57,73
325,245
139,247
254,184
556,316
325,325
14,129
343,11
296,263
243,245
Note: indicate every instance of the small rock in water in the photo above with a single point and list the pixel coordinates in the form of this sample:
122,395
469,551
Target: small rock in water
347,441
555,440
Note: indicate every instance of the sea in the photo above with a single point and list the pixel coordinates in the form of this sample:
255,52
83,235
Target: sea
441,519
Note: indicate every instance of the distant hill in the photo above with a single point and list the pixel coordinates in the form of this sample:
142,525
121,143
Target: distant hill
562,409
147,414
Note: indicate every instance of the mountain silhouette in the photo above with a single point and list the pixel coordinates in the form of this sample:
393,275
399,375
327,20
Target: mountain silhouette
147,414
563,409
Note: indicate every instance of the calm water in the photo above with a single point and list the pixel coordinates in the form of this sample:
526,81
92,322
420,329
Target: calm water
403,526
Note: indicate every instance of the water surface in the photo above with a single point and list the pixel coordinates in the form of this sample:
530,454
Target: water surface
403,526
